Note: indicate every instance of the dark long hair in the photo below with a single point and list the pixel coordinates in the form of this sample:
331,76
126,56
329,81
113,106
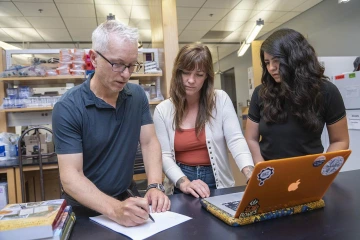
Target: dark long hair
190,57
301,79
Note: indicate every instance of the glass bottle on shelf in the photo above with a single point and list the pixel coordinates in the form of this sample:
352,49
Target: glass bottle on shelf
153,91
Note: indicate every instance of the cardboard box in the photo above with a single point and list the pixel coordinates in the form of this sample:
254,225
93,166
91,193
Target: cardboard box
50,147
4,198
31,141
30,149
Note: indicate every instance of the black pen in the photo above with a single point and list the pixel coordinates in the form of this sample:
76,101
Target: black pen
132,195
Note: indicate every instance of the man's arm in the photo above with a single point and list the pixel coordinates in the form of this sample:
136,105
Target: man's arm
151,151
252,138
128,213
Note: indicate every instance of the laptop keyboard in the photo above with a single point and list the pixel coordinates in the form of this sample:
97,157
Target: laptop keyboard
232,205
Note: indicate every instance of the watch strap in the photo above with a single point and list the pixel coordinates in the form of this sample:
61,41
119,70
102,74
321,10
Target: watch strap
158,186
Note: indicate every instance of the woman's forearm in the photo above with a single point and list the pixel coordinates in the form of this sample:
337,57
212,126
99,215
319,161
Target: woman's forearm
255,151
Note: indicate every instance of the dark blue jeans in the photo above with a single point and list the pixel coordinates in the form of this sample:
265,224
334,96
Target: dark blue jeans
204,173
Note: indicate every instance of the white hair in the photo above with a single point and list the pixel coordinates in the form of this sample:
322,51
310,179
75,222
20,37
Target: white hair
101,35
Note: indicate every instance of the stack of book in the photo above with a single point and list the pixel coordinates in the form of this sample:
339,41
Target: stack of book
51,219
151,67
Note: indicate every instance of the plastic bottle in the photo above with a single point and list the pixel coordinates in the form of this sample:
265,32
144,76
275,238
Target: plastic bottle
4,150
13,151
152,91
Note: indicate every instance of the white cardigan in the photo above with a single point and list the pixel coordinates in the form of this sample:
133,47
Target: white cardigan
223,131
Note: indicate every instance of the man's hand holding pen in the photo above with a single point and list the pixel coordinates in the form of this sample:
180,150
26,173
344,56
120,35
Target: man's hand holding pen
132,195
135,210
131,212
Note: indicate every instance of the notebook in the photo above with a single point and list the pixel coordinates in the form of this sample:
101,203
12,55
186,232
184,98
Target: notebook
280,187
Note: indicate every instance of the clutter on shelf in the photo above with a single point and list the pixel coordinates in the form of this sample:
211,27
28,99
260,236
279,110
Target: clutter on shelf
153,91
8,146
22,97
24,71
69,62
151,67
73,62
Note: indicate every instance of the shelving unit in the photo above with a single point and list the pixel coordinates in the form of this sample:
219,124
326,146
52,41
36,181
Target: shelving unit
65,78
50,81
42,80
37,109
33,109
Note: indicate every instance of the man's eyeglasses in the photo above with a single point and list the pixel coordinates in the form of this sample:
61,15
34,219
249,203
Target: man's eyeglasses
119,67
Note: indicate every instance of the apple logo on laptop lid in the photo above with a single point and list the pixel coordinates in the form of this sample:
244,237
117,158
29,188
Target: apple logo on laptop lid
294,186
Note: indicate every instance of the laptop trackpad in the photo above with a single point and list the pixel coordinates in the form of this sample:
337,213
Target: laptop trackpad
227,202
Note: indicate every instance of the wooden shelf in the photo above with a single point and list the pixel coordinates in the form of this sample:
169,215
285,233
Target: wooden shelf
146,75
69,77
63,79
43,80
33,109
37,109
154,102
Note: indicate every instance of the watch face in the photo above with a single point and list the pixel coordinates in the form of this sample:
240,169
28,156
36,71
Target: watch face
161,187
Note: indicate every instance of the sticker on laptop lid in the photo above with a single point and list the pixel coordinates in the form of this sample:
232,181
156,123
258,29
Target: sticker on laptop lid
319,161
251,209
232,205
332,166
265,174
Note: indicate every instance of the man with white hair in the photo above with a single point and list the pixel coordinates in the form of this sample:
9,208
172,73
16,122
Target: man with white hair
97,126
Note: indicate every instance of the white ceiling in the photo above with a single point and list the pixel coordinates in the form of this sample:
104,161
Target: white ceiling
74,20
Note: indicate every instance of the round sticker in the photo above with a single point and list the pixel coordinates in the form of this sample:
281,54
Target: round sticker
319,161
265,174
332,166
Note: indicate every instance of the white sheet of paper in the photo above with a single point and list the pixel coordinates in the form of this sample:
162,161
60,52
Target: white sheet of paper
163,221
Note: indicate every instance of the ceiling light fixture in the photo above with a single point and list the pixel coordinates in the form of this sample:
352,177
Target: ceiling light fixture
243,48
7,46
251,37
344,1
218,60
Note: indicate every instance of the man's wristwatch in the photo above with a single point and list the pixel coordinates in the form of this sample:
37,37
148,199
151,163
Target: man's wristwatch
158,186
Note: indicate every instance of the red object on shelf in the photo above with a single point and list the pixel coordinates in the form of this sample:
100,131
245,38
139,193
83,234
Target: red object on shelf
88,63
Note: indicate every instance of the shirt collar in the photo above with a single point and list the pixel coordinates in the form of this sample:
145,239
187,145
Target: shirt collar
90,97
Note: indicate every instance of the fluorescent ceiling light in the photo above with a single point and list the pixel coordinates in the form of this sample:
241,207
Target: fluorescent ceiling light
244,46
252,35
344,1
7,46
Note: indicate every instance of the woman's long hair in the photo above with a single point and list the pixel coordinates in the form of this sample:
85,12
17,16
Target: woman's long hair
301,79
190,57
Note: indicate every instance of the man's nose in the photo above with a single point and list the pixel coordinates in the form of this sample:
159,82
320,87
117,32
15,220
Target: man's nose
126,73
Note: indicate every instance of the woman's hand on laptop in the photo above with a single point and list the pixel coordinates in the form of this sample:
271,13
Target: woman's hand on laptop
197,188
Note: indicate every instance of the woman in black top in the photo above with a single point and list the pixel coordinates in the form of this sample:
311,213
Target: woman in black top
289,109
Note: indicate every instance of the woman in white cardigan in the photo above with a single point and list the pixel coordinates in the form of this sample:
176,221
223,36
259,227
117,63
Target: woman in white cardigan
196,126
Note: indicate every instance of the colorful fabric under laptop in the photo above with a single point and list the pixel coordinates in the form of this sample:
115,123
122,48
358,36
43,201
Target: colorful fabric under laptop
230,220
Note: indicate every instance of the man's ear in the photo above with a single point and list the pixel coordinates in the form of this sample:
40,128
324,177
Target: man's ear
93,55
